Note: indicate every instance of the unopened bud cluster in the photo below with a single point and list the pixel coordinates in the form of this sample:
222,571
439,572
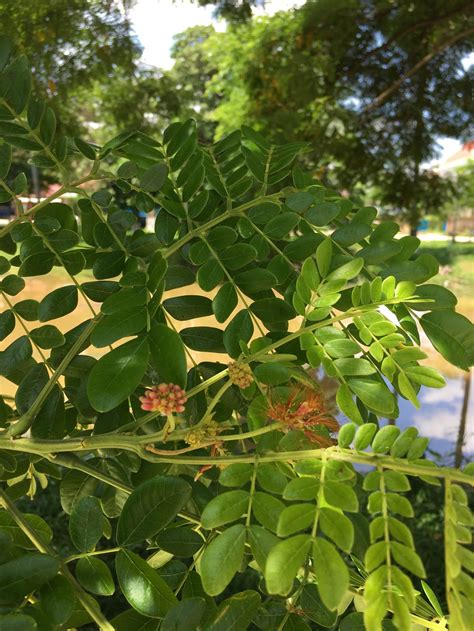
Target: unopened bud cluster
240,374
165,398
203,434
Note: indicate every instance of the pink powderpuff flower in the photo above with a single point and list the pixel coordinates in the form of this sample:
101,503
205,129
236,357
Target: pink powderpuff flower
165,398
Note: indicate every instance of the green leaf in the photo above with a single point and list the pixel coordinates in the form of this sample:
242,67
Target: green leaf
168,354
37,264
341,496
347,271
188,307
346,403
222,559
354,366
272,373
20,576
305,488
238,255
7,323
108,264
154,178
407,558
322,214
150,508
185,616
272,310
364,436
116,375
452,335
331,573
267,510
57,599
14,355
203,338
235,613
224,509
281,225
283,563
47,336
95,576
12,285
294,518
437,298
224,302
255,280
299,202
337,527
85,523
236,474
181,542
208,276
142,586
425,376
118,325
239,329
59,302
5,160
341,348
374,394
323,256
351,233
17,622
314,608
35,523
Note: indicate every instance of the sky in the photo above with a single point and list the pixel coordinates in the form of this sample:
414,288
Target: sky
155,22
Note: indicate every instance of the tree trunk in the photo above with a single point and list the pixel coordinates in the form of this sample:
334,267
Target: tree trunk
462,421
414,229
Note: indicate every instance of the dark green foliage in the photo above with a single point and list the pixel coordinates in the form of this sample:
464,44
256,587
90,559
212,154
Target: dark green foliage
194,451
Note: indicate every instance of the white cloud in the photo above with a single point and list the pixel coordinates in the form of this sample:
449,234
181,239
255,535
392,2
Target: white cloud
443,425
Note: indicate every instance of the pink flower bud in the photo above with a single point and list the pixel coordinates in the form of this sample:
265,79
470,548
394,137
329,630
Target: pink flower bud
165,398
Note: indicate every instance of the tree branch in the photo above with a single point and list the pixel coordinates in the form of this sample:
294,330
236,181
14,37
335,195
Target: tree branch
383,96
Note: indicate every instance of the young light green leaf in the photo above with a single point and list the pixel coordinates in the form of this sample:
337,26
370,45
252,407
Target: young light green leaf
224,509
331,572
284,561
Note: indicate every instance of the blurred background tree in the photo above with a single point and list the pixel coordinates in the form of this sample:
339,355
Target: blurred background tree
369,84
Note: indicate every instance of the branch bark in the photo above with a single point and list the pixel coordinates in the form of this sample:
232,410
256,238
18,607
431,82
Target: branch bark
383,96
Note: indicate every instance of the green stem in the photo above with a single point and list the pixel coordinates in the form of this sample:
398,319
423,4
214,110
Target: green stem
29,213
89,604
110,441
386,535
320,498
252,491
234,212
81,555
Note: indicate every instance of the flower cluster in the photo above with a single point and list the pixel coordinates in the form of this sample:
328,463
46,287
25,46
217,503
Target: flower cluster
165,398
240,374
305,409
203,434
